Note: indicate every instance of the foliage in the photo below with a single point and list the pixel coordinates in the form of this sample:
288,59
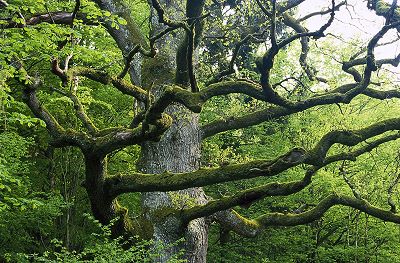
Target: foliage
26,216
103,248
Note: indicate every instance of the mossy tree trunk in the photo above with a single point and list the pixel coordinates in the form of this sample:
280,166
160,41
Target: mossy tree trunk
178,151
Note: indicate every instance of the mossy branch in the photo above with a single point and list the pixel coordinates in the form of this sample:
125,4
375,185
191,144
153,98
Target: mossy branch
343,94
79,109
195,101
168,181
139,182
104,78
278,219
252,227
118,138
350,138
185,74
60,136
248,196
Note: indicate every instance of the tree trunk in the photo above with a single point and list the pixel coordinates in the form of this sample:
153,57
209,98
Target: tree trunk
104,208
178,151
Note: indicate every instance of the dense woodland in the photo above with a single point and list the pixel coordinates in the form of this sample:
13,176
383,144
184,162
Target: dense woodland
199,131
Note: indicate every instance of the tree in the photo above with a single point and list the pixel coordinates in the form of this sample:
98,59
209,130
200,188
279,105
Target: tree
164,74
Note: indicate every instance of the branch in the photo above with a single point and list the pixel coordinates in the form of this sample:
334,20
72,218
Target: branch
350,138
252,227
289,107
273,25
249,196
60,137
162,18
75,12
348,65
263,8
238,46
321,13
104,78
274,112
167,181
277,219
195,101
316,34
266,64
344,94
184,56
126,36
61,18
317,157
80,111
189,57
279,7
381,8
118,138
136,49
364,149
295,24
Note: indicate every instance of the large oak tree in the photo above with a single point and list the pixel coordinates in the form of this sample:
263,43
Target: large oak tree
159,70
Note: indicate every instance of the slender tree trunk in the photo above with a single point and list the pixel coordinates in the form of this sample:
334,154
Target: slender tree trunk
178,151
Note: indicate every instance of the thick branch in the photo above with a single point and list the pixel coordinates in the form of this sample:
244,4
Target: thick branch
252,227
119,138
277,219
184,56
170,181
195,101
247,197
349,138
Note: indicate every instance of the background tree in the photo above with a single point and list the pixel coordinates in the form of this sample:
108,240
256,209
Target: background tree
57,55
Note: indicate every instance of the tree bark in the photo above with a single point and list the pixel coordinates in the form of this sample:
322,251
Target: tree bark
177,151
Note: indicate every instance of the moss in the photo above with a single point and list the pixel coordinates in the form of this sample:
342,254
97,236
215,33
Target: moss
160,214
132,227
144,228
253,224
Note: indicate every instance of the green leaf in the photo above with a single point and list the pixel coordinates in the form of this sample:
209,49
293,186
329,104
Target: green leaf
122,21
